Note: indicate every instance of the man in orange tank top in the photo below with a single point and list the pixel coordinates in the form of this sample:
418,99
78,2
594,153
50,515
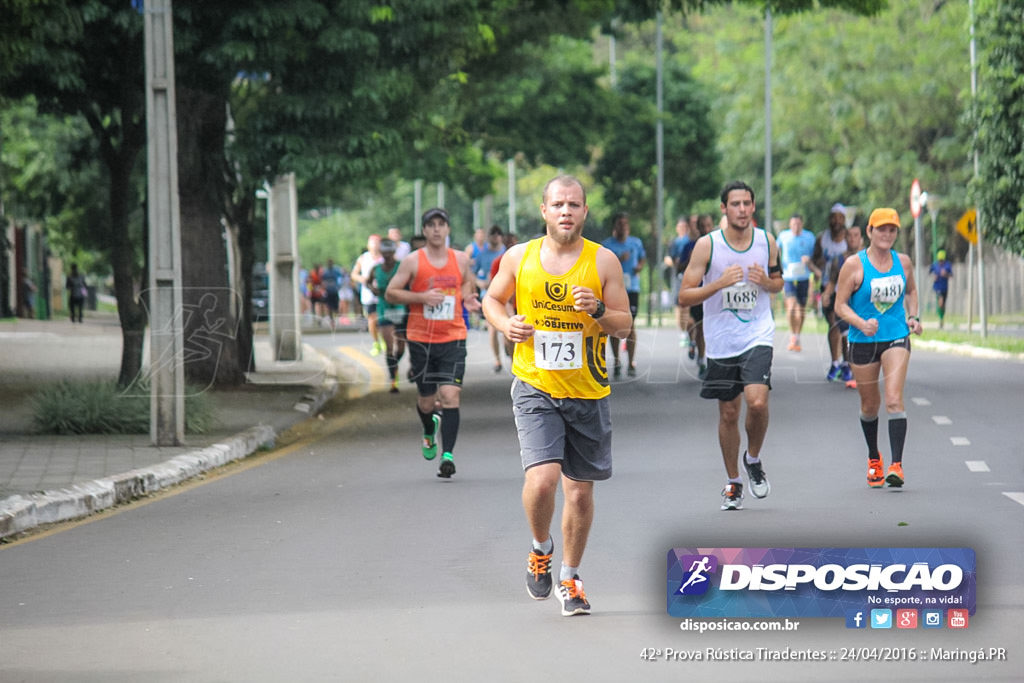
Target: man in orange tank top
435,282
570,296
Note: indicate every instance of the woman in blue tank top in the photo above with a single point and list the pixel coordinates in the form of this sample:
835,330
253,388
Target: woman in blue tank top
877,295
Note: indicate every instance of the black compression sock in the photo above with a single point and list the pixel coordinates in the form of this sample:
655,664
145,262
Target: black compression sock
449,429
869,425
897,435
427,419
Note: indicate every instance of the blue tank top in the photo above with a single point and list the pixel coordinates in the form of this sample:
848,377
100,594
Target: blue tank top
880,296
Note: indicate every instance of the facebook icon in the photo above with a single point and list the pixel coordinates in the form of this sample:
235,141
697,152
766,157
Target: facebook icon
856,619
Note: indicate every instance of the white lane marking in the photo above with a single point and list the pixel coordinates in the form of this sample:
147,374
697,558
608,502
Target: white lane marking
941,420
977,466
960,441
921,401
1015,496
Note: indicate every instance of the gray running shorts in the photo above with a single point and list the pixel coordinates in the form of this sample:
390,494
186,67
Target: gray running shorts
576,432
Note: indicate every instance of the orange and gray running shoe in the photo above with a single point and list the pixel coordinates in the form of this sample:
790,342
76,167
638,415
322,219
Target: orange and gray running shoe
538,574
574,600
732,497
875,467
895,476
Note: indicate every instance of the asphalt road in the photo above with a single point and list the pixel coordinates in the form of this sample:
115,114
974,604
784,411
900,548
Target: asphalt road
342,557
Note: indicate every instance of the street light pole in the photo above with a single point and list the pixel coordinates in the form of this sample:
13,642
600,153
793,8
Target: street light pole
768,29
659,144
511,166
417,205
166,365
980,233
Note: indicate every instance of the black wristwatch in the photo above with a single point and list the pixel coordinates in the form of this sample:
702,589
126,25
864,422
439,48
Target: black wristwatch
600,310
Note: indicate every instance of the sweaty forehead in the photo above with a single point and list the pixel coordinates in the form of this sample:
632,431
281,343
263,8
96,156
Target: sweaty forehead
565,192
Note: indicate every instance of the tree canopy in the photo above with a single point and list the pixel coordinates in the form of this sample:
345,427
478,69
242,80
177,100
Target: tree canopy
350,93
999,187
861,106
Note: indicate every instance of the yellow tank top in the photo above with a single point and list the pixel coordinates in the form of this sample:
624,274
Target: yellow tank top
565,355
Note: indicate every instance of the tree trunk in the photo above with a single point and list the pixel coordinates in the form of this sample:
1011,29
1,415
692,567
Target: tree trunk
131,311
211,304
243,231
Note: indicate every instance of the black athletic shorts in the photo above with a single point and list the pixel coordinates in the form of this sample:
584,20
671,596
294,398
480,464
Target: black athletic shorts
634,303
434,364
866,353
727,376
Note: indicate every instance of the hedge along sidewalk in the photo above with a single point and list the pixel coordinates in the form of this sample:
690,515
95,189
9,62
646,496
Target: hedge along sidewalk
315,379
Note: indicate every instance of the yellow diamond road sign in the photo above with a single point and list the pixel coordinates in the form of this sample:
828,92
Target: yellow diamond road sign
968,225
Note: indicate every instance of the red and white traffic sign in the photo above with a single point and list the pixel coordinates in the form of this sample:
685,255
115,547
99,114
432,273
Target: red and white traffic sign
915,198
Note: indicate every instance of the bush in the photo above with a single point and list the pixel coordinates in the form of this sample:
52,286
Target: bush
95,407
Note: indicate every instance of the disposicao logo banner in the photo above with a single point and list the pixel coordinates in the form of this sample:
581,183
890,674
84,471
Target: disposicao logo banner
817,582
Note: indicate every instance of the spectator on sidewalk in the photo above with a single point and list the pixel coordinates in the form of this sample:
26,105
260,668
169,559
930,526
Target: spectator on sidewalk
28,297
77,292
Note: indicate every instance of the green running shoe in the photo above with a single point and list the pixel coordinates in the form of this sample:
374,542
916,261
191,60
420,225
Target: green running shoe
447,468
430,440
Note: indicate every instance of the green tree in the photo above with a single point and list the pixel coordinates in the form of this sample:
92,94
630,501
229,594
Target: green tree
627,165
999,187
325,88
85,59
860,109
48,171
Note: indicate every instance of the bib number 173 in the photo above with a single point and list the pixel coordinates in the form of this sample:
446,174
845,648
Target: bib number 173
558,350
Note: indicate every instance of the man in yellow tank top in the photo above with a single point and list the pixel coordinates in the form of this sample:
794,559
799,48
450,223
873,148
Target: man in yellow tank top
570,296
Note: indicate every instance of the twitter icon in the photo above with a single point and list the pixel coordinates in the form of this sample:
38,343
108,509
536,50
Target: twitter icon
881,618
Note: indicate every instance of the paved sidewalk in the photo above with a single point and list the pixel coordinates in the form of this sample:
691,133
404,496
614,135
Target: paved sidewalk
46,478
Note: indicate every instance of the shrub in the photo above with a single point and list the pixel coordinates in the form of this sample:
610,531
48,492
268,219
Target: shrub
98,407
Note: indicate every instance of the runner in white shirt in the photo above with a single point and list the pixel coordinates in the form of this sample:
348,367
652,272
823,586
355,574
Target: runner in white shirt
734,271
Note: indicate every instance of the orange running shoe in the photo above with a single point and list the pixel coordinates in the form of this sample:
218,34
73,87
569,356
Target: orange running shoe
573,599
895,476
794,345
538,574
875,467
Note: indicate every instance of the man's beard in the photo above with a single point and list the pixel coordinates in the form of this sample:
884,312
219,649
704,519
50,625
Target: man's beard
563,237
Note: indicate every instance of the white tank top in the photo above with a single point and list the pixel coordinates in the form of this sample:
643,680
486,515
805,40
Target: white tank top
739,317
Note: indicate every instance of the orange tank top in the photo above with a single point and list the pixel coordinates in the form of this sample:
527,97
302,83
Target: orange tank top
441,323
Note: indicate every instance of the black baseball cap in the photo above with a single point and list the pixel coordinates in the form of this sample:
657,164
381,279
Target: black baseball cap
430,214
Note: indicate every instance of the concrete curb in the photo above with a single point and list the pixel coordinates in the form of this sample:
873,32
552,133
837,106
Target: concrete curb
20,513
963,349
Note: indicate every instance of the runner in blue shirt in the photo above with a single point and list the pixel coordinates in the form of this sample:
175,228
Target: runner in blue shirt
941,270
632,256
681,245
795,248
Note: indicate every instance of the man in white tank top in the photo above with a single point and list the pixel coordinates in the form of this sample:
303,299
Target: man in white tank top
734,271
